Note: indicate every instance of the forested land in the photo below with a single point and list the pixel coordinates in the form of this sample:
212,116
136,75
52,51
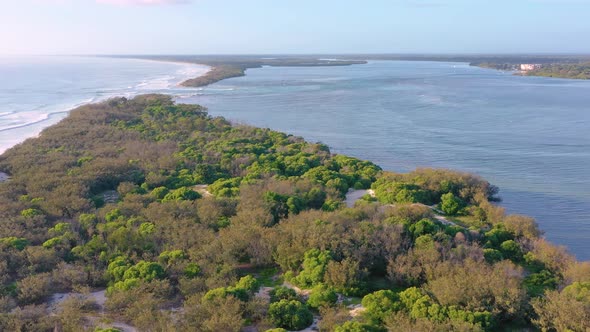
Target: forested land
191,223
579,71
214,75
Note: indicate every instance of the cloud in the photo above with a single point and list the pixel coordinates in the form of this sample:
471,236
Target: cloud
142,2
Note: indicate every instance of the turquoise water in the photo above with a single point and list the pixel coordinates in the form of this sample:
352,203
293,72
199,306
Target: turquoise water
528,135
36,92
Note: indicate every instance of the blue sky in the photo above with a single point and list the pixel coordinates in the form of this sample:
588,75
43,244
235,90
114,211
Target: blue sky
293,26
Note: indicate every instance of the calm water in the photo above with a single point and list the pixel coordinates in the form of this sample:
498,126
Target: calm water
530,136
36,92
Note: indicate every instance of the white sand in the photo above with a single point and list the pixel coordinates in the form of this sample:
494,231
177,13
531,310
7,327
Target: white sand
354,195
202,189
99,298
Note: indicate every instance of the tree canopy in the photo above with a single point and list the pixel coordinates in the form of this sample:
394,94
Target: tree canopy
180,216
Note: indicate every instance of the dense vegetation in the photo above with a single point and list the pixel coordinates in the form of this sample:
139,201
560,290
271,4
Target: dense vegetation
216,74
579,71
498,66
564,70
113,198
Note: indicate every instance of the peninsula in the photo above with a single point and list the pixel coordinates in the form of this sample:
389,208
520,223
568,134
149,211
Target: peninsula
223,67
142,214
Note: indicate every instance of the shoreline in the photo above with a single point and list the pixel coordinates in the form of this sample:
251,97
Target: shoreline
224,67
214,75
37,126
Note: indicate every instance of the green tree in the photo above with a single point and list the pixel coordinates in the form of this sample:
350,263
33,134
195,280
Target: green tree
322,296
282,293
380,304
315,263
356,326
450,204
290,314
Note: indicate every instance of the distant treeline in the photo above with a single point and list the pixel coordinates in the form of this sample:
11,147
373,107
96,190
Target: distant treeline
228,66
224,67
563,66
563,70
216,74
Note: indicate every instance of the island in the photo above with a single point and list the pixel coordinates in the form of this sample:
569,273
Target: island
146,215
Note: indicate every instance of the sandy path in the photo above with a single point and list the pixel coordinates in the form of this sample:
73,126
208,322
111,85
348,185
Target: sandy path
202,189
97,297
354,195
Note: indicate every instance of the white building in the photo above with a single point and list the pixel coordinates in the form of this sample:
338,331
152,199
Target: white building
529,66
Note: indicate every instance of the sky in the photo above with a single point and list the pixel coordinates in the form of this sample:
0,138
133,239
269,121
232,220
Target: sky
293,26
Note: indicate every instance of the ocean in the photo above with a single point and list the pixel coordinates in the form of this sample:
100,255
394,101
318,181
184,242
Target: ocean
38,91
528,135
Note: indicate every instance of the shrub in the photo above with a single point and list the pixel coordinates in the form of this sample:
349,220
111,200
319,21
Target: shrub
380,304
314,267
322,296
450,204
290,314
282,293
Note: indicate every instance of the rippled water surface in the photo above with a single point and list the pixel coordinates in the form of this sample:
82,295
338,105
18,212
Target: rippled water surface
528,135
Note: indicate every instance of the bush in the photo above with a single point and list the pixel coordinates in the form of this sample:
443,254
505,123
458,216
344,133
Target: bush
314,267
511,250
290,314
15,242
492,255
450,204
181,194
355,326
322,296
282,293
380,304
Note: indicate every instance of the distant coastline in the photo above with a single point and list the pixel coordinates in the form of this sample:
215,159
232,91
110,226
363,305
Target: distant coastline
575,71
225,66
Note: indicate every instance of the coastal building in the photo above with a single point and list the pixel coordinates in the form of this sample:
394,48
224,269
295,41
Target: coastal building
529,66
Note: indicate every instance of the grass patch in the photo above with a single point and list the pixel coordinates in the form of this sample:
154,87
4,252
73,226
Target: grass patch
352,300
269,277
466,221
